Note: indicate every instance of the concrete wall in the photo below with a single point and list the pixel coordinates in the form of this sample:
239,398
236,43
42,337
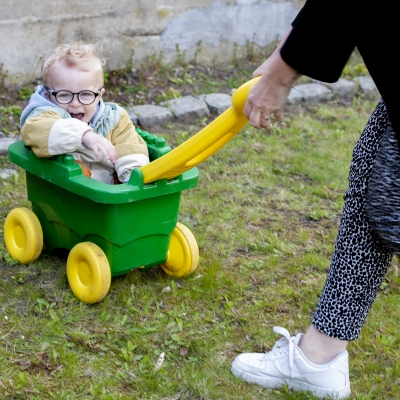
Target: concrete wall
131,30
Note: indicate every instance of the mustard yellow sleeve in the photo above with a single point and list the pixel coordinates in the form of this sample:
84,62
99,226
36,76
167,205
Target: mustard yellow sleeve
125,138
36,131
48,134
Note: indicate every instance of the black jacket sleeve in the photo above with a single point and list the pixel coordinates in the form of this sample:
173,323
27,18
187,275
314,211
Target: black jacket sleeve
322,39
325,32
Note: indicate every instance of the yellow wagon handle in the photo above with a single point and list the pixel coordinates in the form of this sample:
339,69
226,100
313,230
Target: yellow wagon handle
205,143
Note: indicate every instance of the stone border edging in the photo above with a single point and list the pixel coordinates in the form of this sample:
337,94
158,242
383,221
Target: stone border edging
189,108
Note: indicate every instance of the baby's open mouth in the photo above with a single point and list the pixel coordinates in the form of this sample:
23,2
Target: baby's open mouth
77,115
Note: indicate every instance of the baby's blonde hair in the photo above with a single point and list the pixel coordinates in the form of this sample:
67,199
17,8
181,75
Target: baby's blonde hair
79,54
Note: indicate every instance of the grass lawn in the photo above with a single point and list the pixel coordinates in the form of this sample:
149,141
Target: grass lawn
265,215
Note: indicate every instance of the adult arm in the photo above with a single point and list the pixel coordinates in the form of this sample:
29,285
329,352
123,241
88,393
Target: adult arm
269,95
318,45
323,38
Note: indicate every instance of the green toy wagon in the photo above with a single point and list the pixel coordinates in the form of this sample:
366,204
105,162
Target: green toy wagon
111,229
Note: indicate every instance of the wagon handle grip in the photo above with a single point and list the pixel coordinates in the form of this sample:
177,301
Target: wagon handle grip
205,143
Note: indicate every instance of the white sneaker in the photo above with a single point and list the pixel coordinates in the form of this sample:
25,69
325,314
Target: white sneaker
286,364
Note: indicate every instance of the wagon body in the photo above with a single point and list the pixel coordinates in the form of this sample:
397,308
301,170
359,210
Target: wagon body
132,223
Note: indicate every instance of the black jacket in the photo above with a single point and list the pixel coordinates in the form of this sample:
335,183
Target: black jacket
325,32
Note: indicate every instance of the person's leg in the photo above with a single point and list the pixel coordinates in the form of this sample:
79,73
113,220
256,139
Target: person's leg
361,258
358,266
320,348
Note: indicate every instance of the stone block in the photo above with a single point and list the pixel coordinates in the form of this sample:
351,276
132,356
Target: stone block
187,108
217,102
150,115
367,87
343,88
4,143
7,173
309,93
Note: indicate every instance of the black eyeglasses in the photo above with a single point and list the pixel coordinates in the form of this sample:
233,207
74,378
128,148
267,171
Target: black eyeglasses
85,97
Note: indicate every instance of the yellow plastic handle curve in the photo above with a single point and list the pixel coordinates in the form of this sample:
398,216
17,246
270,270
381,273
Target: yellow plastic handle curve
205,143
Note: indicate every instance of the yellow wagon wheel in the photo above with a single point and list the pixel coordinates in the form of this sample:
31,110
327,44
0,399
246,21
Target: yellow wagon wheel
23,235
183,253
88,272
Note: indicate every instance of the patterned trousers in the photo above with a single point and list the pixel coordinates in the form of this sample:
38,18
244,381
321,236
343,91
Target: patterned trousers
362,254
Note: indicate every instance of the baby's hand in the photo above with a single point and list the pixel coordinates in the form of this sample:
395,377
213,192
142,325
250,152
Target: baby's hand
99,145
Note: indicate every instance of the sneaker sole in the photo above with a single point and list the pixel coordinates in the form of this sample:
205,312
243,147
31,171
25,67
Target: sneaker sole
273,383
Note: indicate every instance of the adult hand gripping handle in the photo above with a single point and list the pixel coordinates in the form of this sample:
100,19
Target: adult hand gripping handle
205,143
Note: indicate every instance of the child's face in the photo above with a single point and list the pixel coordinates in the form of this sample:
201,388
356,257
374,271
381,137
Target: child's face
64,77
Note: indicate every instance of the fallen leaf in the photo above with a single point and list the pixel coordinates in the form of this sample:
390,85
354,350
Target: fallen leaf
95,347
183,352
235,312
159,362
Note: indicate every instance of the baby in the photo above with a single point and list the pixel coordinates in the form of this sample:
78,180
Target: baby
67,115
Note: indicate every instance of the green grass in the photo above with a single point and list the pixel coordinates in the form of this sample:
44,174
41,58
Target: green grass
265,215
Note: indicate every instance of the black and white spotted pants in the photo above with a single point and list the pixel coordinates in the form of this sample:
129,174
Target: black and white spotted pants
366,240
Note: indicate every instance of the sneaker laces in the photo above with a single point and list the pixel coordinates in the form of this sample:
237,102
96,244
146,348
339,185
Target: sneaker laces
285,345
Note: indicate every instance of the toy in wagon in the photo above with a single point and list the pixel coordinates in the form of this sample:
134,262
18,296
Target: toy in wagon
111,229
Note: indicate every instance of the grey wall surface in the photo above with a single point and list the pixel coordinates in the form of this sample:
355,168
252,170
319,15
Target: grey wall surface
132,30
